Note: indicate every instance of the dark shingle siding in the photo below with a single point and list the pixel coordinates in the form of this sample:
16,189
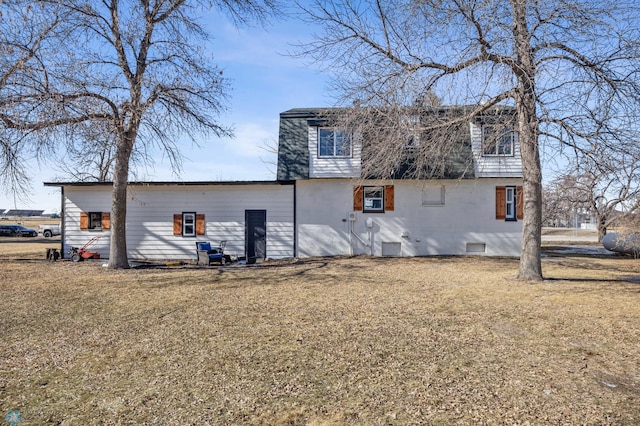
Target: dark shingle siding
293,146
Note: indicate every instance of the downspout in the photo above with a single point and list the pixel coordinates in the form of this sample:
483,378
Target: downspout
350,237
62,226
295,219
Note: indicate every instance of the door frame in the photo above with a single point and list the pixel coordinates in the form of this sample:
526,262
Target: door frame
247,232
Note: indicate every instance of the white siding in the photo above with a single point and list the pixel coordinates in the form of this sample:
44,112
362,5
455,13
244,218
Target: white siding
150,211
467,217
494,165
332,167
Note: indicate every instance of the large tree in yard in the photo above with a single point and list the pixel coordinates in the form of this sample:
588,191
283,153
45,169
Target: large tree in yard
569,69
138,69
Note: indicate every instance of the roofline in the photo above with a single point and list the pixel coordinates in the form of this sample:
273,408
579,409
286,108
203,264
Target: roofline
308,112
316,111
175,183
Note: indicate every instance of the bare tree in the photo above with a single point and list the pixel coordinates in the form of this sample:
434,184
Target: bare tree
607,189
141,68
25,30
557,210
569,68
90,159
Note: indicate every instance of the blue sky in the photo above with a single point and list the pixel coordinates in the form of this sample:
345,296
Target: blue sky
265,82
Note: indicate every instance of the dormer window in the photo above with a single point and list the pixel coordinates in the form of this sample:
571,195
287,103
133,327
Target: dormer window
333,143
411,129
498,140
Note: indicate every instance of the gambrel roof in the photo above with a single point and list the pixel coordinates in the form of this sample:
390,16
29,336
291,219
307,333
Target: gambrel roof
295,124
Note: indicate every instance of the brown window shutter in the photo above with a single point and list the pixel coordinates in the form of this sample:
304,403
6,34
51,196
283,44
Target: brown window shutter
84,220
177,224
106,220
519,203
501,202
389,202
357,198
200,224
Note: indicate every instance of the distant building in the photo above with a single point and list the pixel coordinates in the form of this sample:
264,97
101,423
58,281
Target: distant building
21,213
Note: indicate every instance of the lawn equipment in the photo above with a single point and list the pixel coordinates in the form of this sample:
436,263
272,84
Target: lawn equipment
79,254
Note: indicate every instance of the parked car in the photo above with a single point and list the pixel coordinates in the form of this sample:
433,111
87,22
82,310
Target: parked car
17,231
48,231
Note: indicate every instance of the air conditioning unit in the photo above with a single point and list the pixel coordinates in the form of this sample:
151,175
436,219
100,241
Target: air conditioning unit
352,216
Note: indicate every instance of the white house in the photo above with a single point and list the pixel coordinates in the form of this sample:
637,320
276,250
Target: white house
474,210
165,219
320,205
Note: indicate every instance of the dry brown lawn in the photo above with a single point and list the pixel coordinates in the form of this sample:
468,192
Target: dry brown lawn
323,342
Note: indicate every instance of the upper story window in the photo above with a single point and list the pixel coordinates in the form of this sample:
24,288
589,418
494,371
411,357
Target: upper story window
410,125
333,143
498,140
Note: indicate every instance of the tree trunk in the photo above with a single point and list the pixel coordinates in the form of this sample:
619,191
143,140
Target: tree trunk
602,227
118,258
531,248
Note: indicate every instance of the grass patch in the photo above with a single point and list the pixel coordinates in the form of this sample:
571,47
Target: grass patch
437,340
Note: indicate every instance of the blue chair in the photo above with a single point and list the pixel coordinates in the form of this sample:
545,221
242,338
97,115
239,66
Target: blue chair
208,254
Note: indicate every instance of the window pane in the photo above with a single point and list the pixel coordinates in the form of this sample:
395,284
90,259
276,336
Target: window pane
325,144
488,140
373,204
510,203
505,145
343,144
95,220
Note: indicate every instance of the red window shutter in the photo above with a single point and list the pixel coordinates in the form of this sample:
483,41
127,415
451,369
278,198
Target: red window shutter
177,224
106,220
357,198
389,202
519,203
501,202
84,220
200,224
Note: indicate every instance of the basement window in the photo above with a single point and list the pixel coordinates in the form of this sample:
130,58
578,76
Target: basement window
476,247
